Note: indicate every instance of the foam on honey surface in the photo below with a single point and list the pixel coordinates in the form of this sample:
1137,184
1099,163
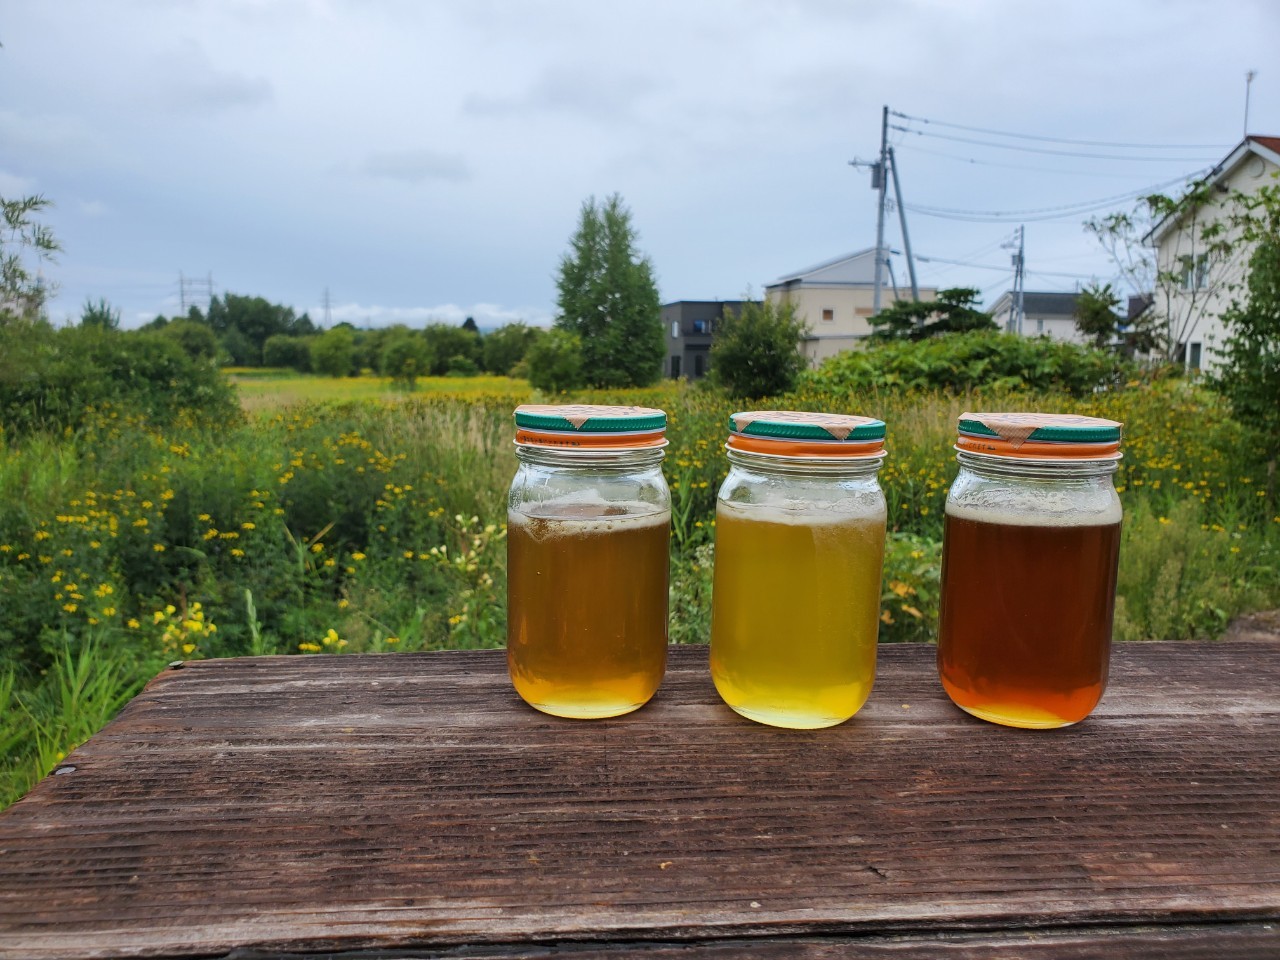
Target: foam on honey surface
807,514
585,514
1054,509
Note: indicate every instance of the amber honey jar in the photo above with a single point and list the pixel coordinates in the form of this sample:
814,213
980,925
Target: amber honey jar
588,529
1031,545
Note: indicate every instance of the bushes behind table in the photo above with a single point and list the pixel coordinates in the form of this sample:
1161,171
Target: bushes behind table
50,380
968,361
344,518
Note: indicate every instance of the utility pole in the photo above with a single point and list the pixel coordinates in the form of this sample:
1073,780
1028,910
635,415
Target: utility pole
1248,83
880,180
327,315
906,238
1019,281
182,293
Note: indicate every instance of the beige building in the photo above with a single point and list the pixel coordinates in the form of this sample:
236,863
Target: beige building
1050,315
1196,280
835,299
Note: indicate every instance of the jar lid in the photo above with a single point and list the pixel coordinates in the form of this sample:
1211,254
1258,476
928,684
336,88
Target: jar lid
589,425
1049,436
794,433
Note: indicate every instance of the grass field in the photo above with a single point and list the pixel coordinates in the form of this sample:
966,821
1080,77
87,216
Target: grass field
267,389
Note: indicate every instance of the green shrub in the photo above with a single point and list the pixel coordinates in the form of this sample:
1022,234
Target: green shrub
283,350
756,352
1001,361
555,362
53,379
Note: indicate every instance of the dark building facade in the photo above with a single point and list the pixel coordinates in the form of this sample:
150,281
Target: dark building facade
689,325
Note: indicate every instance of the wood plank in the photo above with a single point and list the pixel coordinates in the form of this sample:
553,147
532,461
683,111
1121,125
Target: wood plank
412,801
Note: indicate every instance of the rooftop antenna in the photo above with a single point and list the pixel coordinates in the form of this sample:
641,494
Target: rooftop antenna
1248,82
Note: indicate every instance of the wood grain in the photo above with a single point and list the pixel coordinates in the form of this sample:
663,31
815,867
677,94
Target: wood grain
411,802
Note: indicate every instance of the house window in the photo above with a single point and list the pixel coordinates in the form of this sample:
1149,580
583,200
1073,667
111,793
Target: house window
697,365
828,315
1195,357
702,326
1195,271
1039,328
675,331
675,368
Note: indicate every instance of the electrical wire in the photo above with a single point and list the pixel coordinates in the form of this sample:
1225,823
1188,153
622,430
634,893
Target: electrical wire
1003,269
913,148
1070,140
1058,212
1050,152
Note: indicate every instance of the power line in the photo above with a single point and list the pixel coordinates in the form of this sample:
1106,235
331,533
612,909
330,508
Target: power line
1055,153
1045,213
1016,166
1070,140
1002,269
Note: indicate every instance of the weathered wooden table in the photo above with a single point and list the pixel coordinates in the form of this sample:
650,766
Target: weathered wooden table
412,806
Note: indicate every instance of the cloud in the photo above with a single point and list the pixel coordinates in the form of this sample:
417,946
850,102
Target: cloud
94,208
415,166
485,314
187,80
13,186
578,90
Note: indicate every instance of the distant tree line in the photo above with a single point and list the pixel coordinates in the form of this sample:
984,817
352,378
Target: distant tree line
248,331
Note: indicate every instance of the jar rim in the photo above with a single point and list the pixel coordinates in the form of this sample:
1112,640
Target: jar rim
1060,468
863,463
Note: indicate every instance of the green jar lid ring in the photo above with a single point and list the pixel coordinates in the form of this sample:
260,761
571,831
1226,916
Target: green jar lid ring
590,418
794,425
1060,429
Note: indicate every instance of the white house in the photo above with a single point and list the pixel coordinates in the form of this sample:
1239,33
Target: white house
1196,281
1043,315
835,298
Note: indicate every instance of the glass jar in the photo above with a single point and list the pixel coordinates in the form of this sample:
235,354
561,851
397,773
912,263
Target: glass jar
800,526
1030,550
588,526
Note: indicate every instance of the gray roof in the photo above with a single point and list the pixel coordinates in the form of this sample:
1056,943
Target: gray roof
851,268
1046,305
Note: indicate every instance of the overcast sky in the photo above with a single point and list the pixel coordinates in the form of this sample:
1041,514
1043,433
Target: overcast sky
427,161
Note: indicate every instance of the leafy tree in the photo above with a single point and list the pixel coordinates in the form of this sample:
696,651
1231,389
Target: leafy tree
238,350
1095,314
955,311
469,325
405,356
257,320
756,352
446,342
333,352
22,294
195,338
607,296
507,345
101,315
555,362
1249,374
283,350
460,366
